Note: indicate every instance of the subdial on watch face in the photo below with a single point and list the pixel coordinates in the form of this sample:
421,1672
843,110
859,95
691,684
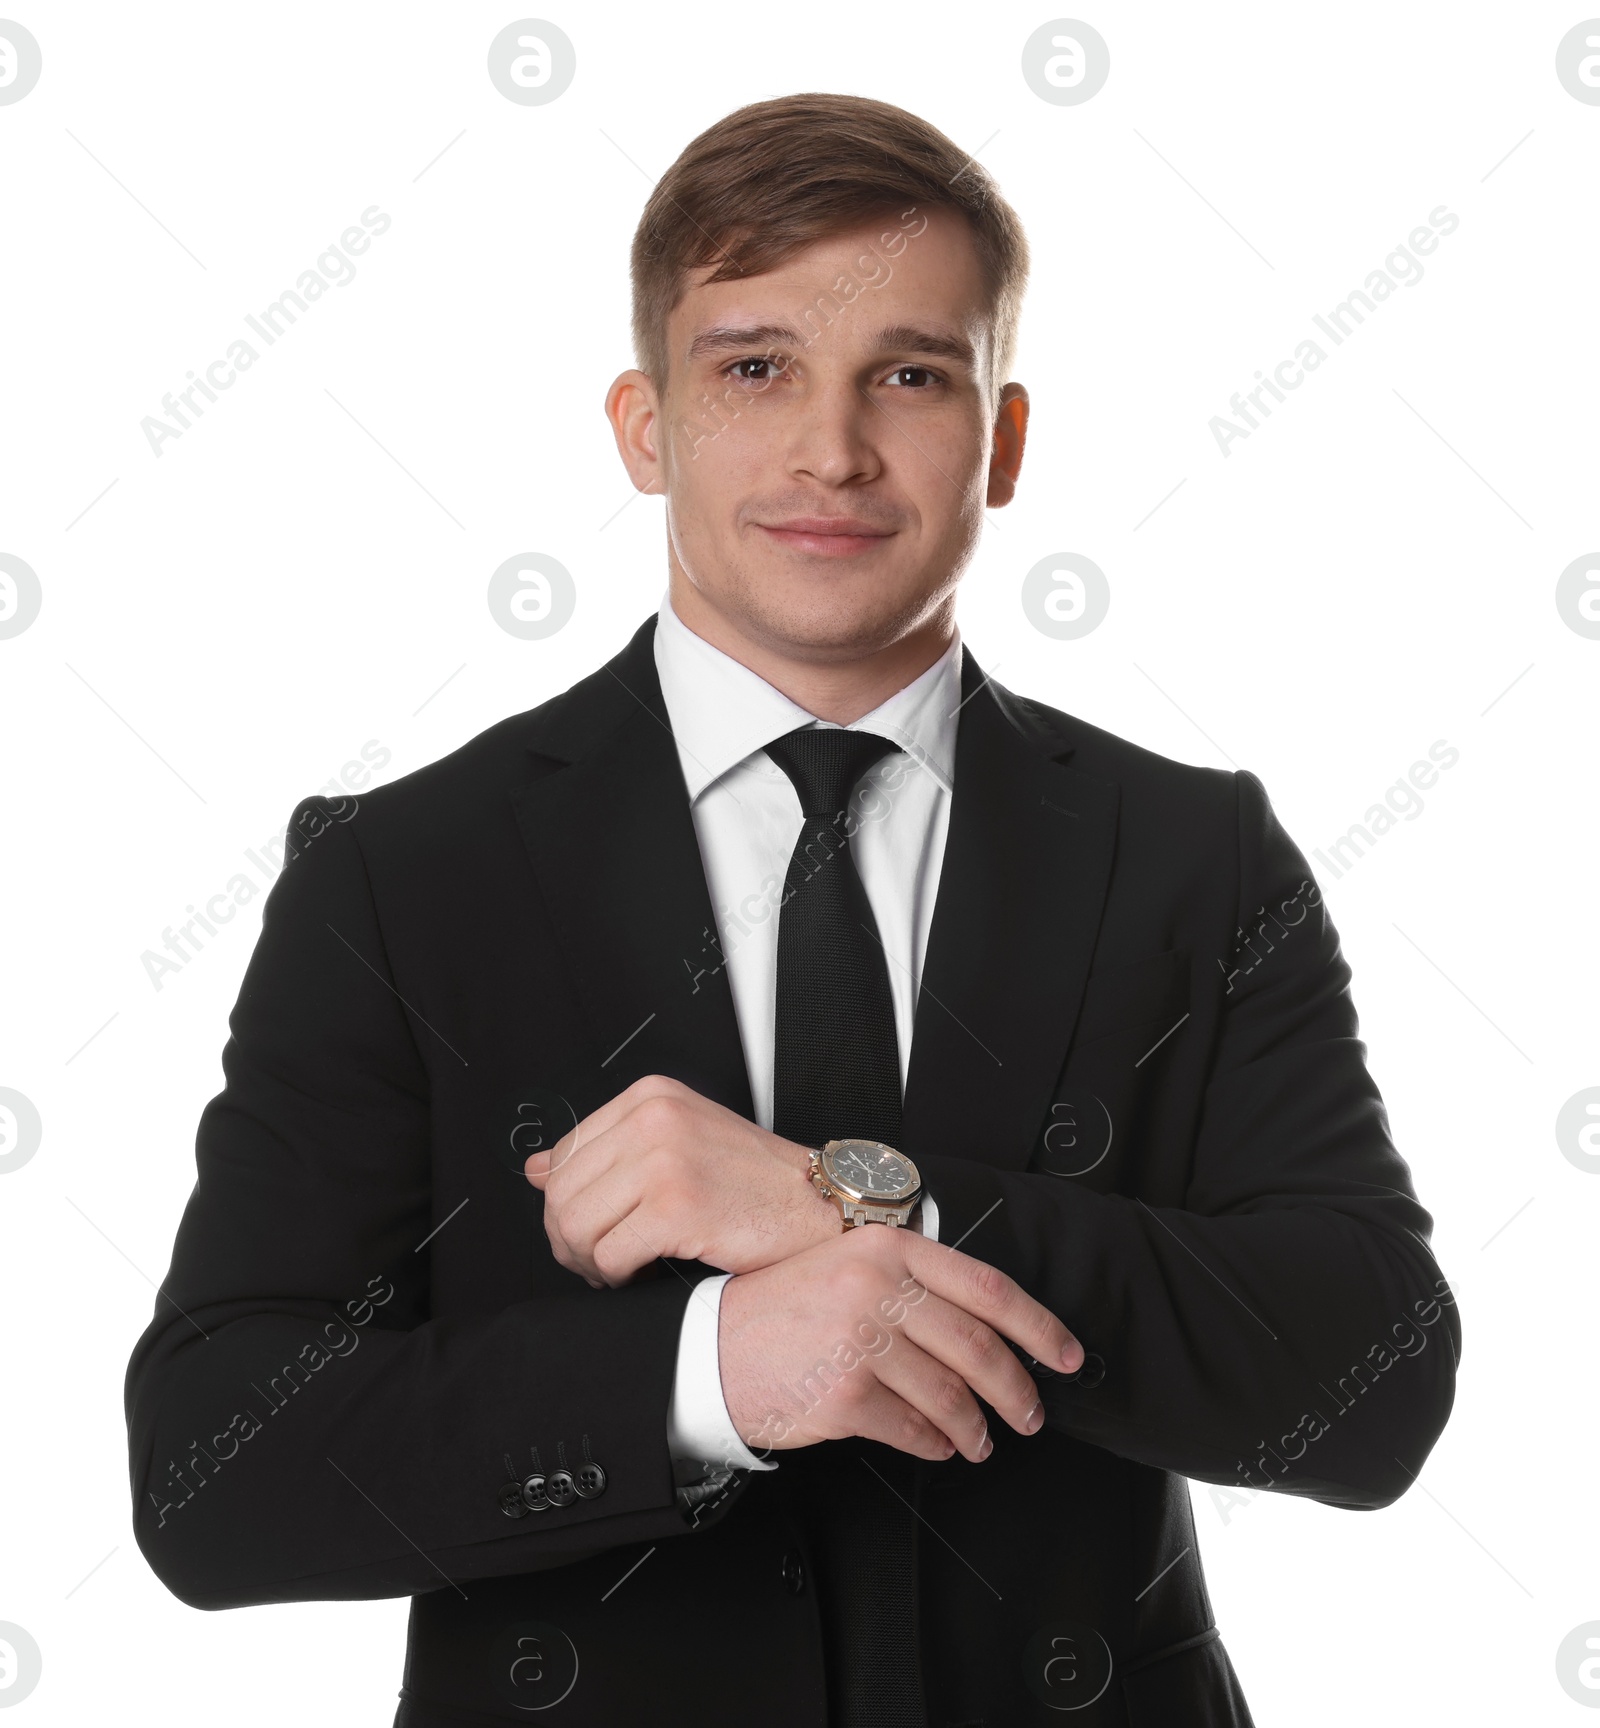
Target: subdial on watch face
872,1170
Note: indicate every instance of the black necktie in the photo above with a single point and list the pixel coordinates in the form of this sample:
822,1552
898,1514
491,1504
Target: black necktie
836,1068
836,1075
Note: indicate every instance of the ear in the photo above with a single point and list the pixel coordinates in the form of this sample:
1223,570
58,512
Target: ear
634,413
1010,434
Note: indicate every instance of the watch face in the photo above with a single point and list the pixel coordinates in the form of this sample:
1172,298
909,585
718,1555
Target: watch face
870,1171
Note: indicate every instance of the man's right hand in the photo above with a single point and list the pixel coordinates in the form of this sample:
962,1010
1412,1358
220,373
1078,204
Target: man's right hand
881,1333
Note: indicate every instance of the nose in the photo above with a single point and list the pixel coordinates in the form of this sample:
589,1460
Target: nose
834,434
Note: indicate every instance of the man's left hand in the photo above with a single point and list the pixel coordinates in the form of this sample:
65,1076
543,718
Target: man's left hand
659,1171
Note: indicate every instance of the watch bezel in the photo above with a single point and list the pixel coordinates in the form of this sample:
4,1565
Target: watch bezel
865,1197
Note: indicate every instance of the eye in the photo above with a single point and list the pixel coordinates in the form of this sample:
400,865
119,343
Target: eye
926,372
753,360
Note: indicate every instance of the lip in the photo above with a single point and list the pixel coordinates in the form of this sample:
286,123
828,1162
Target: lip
829,536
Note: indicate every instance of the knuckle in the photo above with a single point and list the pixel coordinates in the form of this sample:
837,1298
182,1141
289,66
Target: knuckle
659,1114
950,1395
915,1431
991,1288
856,1285
852,1391
980,1344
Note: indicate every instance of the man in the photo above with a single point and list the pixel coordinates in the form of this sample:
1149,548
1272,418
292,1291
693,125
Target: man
660,1136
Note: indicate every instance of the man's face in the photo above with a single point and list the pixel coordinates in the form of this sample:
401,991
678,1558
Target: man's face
825,443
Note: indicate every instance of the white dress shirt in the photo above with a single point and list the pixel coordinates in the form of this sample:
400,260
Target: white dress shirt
747,818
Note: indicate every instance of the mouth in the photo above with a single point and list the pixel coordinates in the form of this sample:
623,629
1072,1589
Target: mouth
827,537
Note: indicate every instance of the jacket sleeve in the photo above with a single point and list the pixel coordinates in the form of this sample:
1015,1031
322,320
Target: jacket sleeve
1286,1325
299,1426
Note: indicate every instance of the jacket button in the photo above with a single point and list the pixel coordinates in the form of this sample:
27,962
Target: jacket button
1091,1373
561,1488
511,1501
589,1480
533,1493
794,1572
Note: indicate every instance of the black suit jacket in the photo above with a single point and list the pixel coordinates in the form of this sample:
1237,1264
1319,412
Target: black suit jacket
1135,1085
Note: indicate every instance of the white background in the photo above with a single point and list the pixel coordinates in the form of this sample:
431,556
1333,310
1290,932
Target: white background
1372,570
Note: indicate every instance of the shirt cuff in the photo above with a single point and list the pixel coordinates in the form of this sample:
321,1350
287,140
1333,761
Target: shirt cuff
700,1432
925,1217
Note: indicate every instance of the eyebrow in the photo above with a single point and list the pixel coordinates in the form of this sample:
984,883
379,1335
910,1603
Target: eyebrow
904,338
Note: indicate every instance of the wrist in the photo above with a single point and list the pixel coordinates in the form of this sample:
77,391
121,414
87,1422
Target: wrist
825,1219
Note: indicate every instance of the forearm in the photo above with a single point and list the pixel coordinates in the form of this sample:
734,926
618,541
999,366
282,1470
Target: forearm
1268,1308
300,1423
1310,1346
270,1466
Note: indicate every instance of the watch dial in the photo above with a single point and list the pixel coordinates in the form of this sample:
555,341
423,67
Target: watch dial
873,1170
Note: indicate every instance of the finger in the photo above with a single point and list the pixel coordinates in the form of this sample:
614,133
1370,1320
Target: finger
559,1249
540,1166
605,1117
564,1175
568,1262
936,1388
615,1224
615,1134
554,1152
558,1154
585,1199
594,1200
883,1414
619,1253
871,1409
955,1343
574,1232
558,1243
990,1295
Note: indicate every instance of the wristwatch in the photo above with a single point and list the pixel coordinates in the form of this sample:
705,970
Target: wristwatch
869,1182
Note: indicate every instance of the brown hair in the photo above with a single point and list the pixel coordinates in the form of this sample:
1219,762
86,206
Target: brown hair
774,177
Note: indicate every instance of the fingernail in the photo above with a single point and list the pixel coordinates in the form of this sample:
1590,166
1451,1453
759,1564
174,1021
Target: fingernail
987,1447
1034,1420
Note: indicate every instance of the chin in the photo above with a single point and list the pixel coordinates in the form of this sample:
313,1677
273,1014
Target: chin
821,625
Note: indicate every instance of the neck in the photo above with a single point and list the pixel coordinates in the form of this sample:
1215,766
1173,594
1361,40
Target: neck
840,689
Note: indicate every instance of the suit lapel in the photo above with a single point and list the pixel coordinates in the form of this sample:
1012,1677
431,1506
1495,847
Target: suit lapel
1021,890
613,847
608,830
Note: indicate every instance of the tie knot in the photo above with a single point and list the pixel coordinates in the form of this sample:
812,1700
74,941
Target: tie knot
825,762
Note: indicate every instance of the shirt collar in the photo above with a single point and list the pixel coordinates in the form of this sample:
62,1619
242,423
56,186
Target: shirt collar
721,712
